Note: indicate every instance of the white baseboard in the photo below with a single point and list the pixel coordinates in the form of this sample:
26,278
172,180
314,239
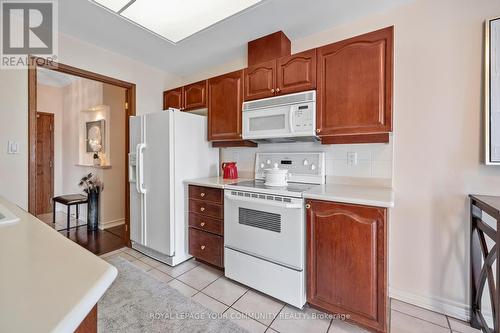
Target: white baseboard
437,304
110,224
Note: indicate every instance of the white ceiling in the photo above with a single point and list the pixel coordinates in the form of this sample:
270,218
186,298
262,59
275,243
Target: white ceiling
52,78
221,43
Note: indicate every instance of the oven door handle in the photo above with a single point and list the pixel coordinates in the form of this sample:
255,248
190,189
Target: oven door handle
265,202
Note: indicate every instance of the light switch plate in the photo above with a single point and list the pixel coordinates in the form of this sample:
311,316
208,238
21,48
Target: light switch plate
352,158
13,147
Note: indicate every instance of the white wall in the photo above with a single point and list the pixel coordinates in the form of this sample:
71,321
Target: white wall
438,142
14,103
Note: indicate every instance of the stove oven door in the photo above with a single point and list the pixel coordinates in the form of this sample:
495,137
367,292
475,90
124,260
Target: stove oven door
265,226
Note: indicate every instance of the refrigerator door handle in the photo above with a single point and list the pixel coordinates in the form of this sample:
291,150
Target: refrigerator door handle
139,168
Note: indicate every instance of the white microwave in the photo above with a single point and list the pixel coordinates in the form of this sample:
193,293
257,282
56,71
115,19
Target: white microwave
281,119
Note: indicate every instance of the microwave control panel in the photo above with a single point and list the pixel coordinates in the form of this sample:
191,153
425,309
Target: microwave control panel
303,117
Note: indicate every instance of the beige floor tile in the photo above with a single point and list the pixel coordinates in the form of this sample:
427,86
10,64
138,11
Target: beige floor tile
159,275
225,291
403,323
182,288
175,271
339,326
244,321
139,264
258,306
292,320
210,303
133,253
461,326
415,311
150,261
126,256
200,276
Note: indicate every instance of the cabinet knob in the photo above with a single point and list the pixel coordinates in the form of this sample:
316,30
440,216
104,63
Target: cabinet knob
272,90
278,90
202,224
202,247
308,206
202,209
318,130
202,194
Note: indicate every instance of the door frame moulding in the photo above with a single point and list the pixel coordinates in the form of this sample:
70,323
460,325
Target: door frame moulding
130,110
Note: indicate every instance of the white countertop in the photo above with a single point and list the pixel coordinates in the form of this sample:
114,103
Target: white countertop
353,194
47,282
377,196
216,182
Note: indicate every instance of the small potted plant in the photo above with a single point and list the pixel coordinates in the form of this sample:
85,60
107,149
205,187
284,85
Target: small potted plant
93,186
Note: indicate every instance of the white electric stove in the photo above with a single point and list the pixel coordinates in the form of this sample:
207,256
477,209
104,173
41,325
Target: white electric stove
264,227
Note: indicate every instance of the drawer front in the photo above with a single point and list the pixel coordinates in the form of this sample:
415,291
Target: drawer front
206,223
205,208
206,247
205,194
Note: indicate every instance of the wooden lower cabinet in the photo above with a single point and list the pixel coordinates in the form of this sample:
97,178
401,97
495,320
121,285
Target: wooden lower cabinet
347,261
206,224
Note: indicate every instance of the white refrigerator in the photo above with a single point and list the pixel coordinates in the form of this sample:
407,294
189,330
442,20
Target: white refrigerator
166,148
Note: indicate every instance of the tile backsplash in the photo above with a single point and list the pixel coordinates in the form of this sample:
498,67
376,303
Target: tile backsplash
374,161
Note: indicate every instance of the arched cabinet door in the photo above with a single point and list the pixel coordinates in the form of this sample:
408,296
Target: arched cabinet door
347,261
195,96
297,72
172,99
260,80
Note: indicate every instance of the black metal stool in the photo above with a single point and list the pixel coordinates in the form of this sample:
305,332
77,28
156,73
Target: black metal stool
68,200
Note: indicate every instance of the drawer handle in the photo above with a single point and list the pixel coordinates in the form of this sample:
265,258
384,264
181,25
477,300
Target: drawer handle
202,194
202,247
202,209
202,224
308,206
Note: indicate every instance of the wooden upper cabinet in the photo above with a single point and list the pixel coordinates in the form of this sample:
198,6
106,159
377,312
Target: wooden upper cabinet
354,93
296,73
347,261
195,96
260,80
172,99
225,99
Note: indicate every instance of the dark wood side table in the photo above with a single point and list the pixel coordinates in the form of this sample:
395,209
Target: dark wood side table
483,260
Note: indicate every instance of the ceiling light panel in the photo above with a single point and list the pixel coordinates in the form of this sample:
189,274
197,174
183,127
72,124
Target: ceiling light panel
179,19
114,5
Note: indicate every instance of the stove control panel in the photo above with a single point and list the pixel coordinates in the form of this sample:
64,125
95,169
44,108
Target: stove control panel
302,167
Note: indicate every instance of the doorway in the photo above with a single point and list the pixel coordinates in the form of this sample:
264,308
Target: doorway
41,155
44,162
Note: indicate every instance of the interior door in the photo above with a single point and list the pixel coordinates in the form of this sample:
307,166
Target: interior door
44,162
157,171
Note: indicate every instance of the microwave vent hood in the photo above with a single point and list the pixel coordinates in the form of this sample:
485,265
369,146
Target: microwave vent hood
309,96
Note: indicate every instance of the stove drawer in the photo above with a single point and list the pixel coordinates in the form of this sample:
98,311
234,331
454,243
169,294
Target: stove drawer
205,208
207,247
206,194
206,223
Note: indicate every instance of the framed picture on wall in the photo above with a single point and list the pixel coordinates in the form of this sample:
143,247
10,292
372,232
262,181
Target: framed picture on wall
95,136
492,92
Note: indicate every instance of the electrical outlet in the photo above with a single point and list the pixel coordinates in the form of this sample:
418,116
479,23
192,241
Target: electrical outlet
352,158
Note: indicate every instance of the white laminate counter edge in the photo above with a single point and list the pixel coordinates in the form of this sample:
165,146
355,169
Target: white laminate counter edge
356,201
73,319
205,184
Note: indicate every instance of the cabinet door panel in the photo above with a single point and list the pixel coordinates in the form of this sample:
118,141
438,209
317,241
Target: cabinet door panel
355,85
297,72
195,96
260,80
172,99
347,261
225,99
